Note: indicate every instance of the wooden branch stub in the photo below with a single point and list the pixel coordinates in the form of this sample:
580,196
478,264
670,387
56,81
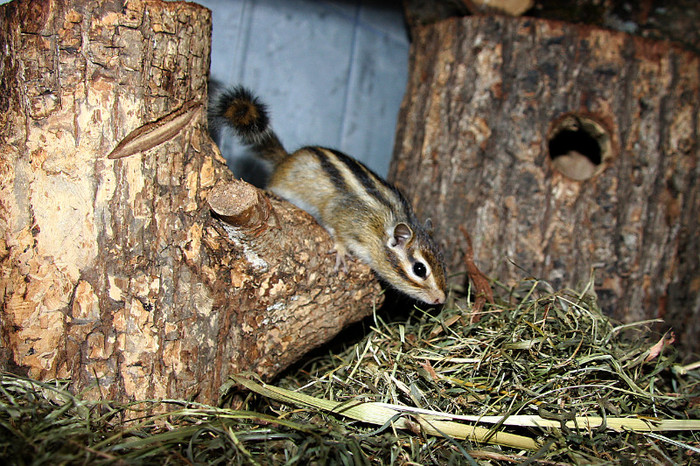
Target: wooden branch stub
240,204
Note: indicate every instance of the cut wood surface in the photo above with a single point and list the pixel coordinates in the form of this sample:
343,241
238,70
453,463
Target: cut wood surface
563,150
114,273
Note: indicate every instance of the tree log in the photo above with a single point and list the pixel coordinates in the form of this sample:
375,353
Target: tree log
114,273
561,149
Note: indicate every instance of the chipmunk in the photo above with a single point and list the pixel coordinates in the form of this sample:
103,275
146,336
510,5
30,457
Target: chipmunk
365,215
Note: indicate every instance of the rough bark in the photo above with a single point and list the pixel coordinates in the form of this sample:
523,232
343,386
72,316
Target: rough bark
675,20
491,100
114,270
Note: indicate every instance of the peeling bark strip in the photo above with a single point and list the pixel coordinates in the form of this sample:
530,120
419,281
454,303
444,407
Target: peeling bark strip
156,132
114,273
500,114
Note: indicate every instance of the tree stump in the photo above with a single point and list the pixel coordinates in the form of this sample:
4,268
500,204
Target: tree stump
562,149
115,274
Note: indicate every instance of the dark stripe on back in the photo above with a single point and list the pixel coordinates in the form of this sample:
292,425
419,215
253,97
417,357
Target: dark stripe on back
368,179
329,168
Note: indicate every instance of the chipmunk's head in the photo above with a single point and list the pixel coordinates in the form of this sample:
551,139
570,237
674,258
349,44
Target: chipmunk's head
417,268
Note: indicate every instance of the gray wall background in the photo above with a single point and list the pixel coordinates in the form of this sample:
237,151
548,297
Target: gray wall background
333,73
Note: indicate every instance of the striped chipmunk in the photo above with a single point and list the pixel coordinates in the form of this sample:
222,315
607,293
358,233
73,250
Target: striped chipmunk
365,215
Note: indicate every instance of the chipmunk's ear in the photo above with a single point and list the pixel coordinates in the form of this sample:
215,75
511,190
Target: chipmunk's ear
429,226
401,236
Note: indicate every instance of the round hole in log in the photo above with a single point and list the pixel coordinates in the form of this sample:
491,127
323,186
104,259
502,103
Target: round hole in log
578,146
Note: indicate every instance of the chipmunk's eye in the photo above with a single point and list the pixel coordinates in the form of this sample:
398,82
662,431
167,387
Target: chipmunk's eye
419,269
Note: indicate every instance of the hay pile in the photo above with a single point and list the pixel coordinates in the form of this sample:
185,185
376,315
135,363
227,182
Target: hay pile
543,378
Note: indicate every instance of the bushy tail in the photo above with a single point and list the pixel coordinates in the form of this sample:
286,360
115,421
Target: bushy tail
247,116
